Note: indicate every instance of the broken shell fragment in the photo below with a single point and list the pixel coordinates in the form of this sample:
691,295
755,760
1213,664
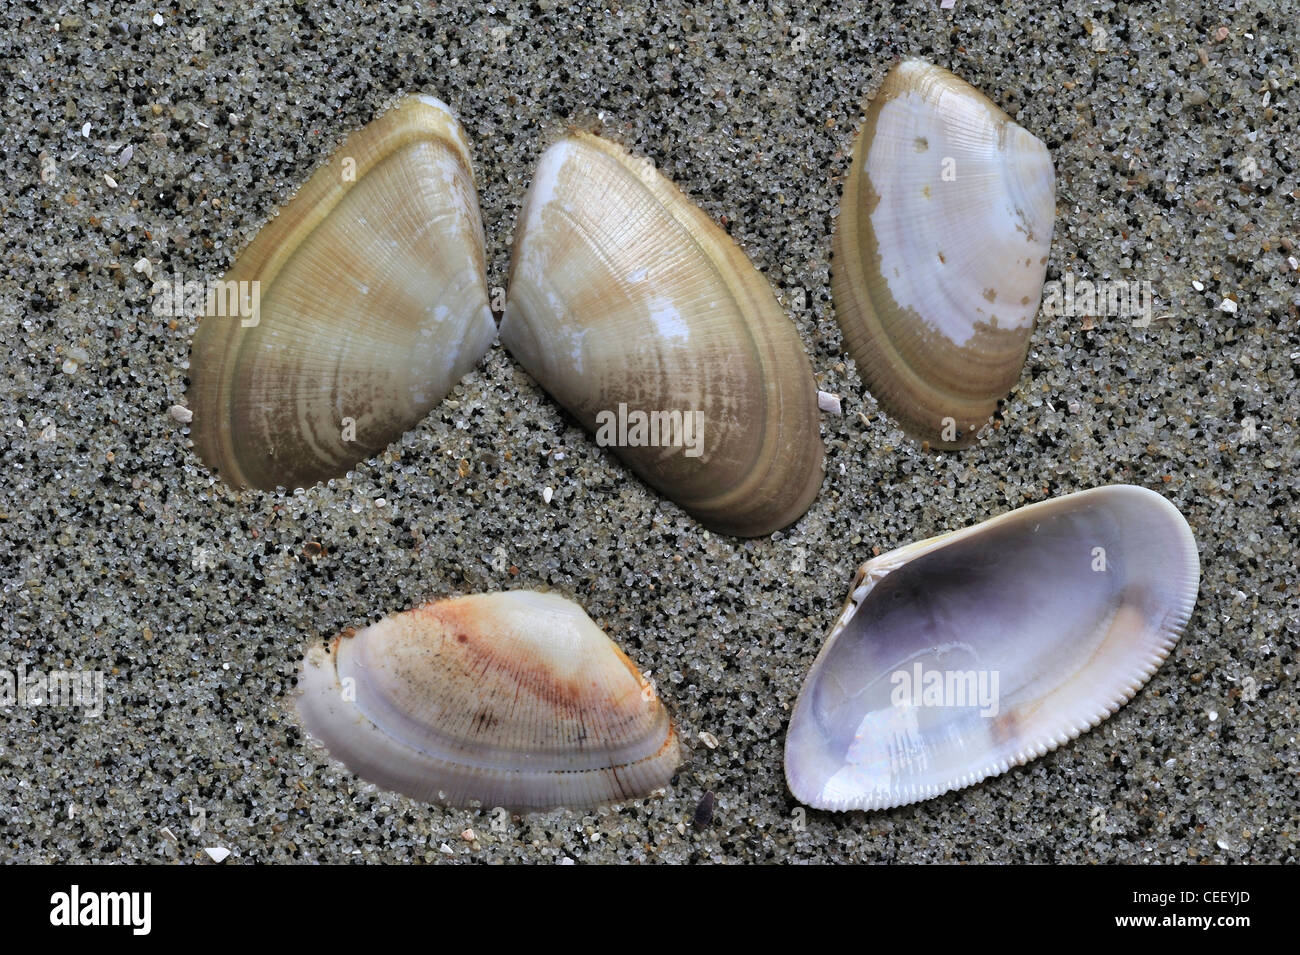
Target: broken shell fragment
351,314
510,699
940,252
959,657
649,324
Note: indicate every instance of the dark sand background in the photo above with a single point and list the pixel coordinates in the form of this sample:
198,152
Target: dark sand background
1175,133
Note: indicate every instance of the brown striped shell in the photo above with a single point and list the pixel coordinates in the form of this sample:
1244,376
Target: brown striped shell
351,314
625,299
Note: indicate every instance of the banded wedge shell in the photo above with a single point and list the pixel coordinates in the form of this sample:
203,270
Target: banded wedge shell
371,303
940,252
959,657
510,699
628,305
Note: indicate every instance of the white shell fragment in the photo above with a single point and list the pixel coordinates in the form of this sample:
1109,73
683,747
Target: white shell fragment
940,252
352,313
828,402
650,326
958,657
506,699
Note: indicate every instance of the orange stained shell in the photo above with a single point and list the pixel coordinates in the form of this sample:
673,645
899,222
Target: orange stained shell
514,699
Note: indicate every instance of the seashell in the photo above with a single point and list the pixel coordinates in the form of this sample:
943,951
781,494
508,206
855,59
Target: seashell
959,657
940,252
360,305
629,306
506,699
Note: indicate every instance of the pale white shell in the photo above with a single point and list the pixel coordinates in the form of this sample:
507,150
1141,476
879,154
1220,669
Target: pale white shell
940,251
510,699
1064,608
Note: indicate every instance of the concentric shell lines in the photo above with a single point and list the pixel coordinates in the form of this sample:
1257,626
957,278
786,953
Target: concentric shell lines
512,699
625,297
363,302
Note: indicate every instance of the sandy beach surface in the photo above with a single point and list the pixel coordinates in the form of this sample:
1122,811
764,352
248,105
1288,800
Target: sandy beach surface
139,141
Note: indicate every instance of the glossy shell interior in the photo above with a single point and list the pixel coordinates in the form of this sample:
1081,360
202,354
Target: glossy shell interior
961,656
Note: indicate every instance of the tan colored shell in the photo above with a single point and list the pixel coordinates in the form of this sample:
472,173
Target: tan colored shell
940,252
505,699
372,304
622,292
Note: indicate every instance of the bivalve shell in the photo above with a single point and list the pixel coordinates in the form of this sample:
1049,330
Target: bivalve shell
643,318
510,699
959,657
940,252
351,314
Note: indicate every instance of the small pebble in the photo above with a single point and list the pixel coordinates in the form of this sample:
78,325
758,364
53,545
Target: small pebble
828,402
218,853
709,740
704,811
181,413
